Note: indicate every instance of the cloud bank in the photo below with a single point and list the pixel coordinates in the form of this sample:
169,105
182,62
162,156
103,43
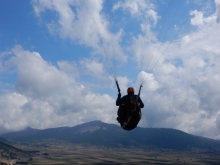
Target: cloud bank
46,96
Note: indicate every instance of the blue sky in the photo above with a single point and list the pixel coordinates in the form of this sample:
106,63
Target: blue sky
55,72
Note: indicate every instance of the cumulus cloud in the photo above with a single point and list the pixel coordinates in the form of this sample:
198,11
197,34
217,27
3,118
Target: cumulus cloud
124,82
85,25
181,89
93,68
136,8
148,80
10,105
198,18
70,68
142,10
48,97
37,78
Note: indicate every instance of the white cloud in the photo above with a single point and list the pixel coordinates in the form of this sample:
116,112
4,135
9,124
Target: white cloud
124,82
136,8
11,117
86,25
198,18
150,84
37,78
184,79
49,97
142,10
147,53
70,68
93,68
152,15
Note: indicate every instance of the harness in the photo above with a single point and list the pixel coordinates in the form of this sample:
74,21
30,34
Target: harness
131,111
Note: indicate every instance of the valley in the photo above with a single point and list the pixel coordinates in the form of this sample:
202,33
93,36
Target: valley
54,152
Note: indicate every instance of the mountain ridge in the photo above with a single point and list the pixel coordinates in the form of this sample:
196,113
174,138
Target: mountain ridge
5,145
111,135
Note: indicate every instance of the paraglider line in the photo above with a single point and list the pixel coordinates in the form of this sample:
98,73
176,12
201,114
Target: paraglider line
102,43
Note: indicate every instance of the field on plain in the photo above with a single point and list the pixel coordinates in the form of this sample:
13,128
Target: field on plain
62,153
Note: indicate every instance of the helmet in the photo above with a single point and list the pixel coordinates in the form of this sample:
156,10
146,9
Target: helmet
130,90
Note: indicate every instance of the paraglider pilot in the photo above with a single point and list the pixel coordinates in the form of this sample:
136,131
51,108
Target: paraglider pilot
129,112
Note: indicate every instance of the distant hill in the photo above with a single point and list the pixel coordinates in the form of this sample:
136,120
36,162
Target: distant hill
3,140
7,147
111,135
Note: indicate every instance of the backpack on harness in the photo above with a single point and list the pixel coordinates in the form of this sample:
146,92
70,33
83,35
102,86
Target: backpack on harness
132,104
